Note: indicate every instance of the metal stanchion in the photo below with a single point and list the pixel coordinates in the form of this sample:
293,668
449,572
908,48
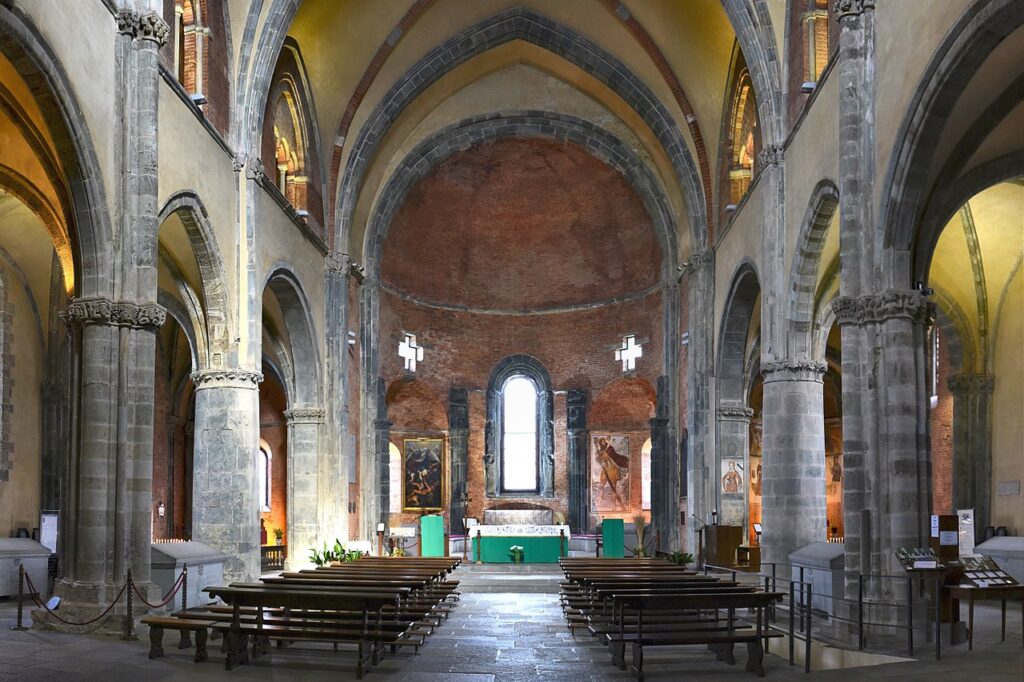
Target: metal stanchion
129,618
186,635
807,642
860,612
792,617
19,625
910,616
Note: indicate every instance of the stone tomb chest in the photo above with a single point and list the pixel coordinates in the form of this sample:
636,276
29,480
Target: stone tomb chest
17,551
205,568
1008,553
823,564
512,517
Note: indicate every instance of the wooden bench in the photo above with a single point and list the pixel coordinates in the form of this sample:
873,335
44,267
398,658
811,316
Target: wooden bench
368,639
157,625
720,636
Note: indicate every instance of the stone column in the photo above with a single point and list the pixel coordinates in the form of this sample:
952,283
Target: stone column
733,446
382,464
793,458
972,445
578,457
334,455
225,512
458,456
664,473
107,516
699,272
855,68
306,482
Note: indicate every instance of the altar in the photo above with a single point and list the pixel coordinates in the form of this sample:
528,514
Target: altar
542,544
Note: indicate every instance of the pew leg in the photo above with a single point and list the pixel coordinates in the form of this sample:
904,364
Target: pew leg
618,651
360,657
727,653
638,661
755,658
201,654
156,641
260,646
186,639
237,652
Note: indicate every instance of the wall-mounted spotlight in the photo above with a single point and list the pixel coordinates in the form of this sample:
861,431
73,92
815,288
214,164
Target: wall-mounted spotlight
923,288
351,338
161,510
808,87
198,98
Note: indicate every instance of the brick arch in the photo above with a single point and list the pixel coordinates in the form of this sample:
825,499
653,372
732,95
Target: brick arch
625,404
527,124
806,265
409,19
518,24
415,406
981,27
90,229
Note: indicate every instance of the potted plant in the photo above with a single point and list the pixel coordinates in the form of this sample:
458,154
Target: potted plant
516,552
279,536
680,558
640,523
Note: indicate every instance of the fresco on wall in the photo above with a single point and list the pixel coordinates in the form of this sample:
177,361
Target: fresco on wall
609,472
834,475
423,474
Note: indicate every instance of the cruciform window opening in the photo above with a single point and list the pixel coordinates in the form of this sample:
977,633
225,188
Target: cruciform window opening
629,352
410,352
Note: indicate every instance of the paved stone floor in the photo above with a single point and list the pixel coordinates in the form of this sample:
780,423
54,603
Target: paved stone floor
500,637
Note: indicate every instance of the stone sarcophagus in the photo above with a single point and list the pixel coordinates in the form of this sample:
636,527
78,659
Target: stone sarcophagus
508,517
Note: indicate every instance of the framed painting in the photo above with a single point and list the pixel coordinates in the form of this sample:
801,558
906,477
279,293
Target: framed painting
423,473
609,472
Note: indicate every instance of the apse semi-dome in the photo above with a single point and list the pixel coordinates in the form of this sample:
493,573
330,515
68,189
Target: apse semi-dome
521,224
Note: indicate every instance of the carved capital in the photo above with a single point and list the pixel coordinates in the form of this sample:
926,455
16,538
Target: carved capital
888,305
226,378
127,21
696,261
769,156
116,313
735,412
307,415
238,162
153,27
254,169
845,8
793,370
963,383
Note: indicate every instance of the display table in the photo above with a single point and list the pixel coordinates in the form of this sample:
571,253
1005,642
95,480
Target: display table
973,594
541,544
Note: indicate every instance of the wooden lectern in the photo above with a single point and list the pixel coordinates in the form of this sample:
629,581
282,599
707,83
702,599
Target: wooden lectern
722,542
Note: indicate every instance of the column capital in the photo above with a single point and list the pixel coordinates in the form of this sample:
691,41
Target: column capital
770,156
576,409
963,383
845,8
304,415
104,311
458,409
227,378
149,26
878,308
793,370
342,264
696,261
734,412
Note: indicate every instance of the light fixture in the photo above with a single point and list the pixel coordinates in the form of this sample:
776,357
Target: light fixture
807,87
161,510
729,208
302,213
351,338
198,98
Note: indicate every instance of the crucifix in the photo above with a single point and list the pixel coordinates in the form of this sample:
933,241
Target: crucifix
629,352
410,352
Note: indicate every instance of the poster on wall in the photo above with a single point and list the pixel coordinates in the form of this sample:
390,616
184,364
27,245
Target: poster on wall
423,474
609,472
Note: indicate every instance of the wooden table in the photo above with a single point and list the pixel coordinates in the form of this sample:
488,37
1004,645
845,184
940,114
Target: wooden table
1000,593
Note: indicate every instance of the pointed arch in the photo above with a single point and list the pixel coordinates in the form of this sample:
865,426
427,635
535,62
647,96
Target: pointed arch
744,293
807,264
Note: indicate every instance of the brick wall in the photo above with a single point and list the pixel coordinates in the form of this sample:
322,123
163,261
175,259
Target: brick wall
941,422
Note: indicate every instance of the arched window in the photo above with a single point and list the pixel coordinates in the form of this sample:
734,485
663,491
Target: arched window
189,47
519,460
265,478
519,466
744,139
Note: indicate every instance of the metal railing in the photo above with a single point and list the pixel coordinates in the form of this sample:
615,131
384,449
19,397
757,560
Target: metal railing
858,614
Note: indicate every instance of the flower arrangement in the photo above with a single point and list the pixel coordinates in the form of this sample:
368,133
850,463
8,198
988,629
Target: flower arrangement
680,558
516,552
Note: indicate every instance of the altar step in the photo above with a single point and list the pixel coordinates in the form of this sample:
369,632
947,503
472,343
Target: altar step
526,578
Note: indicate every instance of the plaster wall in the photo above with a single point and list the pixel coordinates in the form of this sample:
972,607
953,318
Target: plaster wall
742,241
1007,413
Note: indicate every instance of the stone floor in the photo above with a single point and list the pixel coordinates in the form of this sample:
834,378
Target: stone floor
500,637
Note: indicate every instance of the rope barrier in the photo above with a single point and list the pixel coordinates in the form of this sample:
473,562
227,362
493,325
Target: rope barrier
24,578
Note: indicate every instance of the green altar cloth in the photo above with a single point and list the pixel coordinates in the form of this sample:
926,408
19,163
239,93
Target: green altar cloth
432,536
536,549
613,537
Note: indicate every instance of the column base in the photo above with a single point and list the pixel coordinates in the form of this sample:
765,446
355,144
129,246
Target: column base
83,602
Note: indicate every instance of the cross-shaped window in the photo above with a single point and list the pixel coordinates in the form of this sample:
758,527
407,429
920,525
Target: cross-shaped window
630,351
410,352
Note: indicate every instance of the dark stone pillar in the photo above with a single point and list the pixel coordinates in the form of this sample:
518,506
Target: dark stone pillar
458,449
972,445
382,457
578,460
664,473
